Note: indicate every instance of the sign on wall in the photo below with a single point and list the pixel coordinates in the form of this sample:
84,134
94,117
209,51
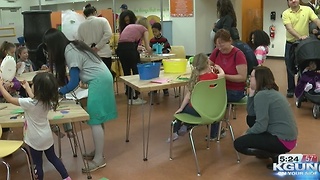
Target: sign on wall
181,8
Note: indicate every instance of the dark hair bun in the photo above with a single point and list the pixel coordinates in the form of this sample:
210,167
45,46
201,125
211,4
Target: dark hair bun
88,5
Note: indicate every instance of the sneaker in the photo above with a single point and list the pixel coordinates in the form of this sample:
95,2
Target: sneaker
93,166
175,136
222,135
183,130
290,94
137,101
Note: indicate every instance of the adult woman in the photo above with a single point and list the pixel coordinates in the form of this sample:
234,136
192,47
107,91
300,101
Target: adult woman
85,65
234,64
126,17
96,33
128,50
272,125
227,17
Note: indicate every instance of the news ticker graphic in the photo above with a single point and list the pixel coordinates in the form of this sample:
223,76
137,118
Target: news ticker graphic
298,165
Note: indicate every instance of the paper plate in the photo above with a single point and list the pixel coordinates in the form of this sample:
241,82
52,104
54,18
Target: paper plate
8,68
78,94
21,69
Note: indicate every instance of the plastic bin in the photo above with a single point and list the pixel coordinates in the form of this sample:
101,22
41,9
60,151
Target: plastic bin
175,65
149,70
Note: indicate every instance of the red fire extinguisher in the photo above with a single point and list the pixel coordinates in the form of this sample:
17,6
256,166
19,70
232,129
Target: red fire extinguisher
272,30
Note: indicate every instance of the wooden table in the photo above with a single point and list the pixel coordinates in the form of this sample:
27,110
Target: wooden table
27,76
68,112
135,83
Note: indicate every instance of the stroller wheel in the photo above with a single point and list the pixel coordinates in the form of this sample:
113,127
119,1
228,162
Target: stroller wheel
298,103
315,111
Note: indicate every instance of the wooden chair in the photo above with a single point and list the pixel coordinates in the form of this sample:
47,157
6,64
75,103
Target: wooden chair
179,51
8,147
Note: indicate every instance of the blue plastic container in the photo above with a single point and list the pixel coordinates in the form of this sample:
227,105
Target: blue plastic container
149,70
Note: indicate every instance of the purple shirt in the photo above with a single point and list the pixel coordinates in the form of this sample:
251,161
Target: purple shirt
132,33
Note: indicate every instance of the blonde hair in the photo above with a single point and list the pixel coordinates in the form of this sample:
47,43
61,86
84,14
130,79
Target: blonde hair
143,21
200,63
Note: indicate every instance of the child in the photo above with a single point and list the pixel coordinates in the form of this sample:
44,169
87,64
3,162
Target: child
37,132
158,38
23,57
202,71
310,79
8,48
259,41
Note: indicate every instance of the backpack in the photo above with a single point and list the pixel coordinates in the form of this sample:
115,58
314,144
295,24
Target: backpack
248,53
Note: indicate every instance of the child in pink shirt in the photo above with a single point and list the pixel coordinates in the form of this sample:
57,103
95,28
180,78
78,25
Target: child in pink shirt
259,42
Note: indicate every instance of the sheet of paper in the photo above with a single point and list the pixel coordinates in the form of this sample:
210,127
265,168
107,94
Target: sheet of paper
160,81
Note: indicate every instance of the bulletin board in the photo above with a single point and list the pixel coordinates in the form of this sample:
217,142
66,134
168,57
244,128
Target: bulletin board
181,8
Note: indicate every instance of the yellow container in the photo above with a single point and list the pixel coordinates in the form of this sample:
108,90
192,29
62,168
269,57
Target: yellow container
175,65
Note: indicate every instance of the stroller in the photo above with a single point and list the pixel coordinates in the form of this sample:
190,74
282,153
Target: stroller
306,51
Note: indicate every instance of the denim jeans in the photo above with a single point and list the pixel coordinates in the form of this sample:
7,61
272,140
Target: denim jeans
289,64
234,95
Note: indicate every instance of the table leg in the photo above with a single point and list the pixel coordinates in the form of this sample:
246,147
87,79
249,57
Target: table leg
85,163
128,116
146,140
59,140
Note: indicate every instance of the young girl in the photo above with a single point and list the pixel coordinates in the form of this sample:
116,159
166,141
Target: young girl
23,57
42,97
259,41
202,71
8,48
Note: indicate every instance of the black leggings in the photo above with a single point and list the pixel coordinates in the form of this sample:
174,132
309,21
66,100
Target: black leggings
190,110
264,141
129,58
51,156
108,63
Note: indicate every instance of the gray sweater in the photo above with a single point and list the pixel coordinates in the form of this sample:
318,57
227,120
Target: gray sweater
273,115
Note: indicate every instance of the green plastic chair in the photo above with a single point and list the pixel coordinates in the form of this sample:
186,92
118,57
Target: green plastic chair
209,99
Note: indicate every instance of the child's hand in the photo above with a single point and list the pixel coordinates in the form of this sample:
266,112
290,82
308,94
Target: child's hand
44,67
8,85
178,111
25,84
18,65
1,82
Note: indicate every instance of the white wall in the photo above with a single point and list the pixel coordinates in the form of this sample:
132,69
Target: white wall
278,43
205,17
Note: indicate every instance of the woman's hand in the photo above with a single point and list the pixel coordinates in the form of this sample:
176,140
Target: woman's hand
83,85
251,92
179,111
149,49
141,48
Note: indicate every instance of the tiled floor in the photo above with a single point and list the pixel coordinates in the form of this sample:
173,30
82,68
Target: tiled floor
124,160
